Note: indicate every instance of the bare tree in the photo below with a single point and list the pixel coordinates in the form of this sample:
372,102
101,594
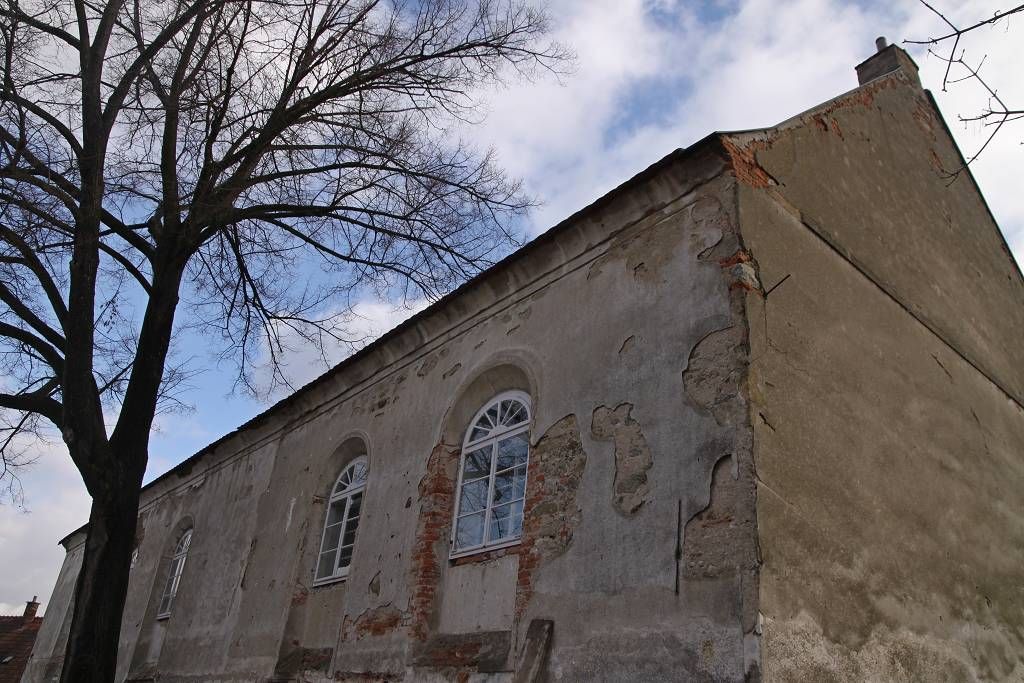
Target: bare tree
259,160
949,47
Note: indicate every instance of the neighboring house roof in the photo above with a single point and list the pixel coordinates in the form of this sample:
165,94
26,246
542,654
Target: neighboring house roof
17,635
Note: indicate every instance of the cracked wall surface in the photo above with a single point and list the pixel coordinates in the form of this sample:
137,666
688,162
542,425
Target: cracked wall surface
798,353
885,395
620,459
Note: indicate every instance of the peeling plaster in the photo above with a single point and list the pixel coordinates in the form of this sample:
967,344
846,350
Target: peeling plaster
632,455
714,373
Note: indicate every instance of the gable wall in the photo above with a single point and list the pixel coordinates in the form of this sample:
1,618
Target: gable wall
885,383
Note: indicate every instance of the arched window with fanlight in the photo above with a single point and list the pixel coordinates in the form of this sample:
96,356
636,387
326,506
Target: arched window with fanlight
174,573
343,511
492,476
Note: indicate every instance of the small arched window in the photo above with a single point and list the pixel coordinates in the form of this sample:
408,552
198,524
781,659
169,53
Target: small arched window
174,574
492,475
343,510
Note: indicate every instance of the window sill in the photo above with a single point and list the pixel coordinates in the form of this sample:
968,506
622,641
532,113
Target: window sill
164,616
485,549
320,583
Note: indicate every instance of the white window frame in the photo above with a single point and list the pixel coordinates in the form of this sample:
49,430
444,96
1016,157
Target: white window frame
176,569
491,439
341,573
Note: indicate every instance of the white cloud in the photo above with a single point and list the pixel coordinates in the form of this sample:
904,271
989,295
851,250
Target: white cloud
757,65
56,503
302,361
11,610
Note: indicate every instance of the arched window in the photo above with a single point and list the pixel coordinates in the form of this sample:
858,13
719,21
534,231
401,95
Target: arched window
174,574
492,475
342,519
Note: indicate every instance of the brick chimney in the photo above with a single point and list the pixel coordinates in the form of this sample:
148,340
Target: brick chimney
887,58
31,607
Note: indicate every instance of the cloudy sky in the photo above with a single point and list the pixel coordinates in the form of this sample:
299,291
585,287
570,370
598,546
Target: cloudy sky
651,76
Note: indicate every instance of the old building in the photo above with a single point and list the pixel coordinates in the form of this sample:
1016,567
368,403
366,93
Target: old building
757,413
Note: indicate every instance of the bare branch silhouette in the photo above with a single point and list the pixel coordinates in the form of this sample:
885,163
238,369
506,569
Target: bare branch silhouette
261,162
996,113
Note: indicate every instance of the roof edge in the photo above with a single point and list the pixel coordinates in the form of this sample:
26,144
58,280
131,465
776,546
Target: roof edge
709,143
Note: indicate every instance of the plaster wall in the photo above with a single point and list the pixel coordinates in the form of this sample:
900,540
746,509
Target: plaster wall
639,538
48,651
884,382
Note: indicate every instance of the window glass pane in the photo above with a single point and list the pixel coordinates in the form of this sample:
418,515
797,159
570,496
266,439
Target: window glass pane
183,543
510,485
345,557
325,567
350,535
165,605
175,572
473,497
512,413
512,451
331,535
359,472
469,531
353,477
506,521
353,508
492,415
478,464
335,511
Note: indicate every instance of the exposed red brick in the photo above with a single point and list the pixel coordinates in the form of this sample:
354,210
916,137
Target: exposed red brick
741,256
479,558
744,157
744,162
834,123
378,621
550,515
550,510
437,503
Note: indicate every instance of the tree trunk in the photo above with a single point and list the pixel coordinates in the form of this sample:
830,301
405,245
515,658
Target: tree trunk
112,470
102,585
